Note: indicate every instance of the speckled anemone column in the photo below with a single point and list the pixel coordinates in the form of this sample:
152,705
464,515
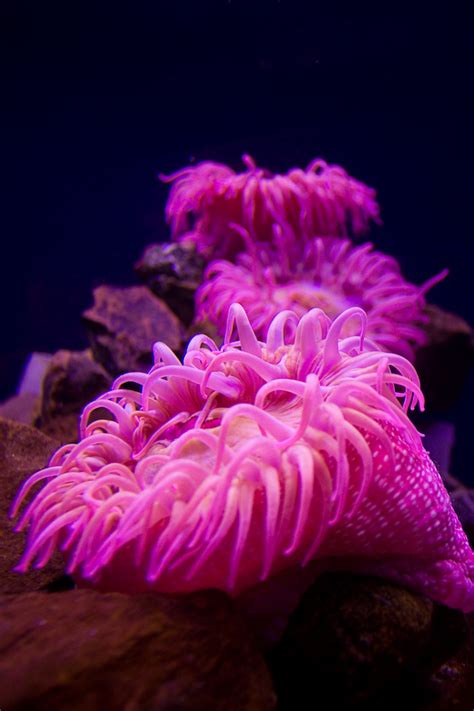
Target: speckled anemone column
244,461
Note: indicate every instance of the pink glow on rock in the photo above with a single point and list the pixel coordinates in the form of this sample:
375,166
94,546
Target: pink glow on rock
244,461
207,199
331,274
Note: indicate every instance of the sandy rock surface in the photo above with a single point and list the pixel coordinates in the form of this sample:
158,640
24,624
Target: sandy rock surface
86,650
23,451
124,323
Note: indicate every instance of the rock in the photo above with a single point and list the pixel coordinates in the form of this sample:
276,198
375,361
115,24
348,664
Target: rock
355,640
23,450
451,685
87,650
64,430
72,379
173,272
444,362
123,325
22,408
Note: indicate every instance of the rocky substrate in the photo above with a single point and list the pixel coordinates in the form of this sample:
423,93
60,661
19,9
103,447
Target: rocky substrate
352,642
364,643
124,323
23,450
84,650
173,272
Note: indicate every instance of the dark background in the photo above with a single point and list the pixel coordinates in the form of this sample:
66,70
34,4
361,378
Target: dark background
99,100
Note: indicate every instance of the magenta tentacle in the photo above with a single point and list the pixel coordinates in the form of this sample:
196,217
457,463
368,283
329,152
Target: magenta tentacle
209,199
326,272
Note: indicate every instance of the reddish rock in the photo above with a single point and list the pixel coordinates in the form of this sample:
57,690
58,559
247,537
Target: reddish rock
451,685
173,272
124,323
86,650
355,641
22,408
23,450
444,362
72,379
64,430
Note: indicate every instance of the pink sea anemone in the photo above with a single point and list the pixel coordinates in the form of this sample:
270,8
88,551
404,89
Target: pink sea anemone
246,460
329,273
207,198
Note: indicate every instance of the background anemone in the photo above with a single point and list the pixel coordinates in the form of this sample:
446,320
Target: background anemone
321,200
328,273
245,460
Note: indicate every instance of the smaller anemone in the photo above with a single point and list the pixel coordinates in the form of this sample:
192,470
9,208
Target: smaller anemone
329,273
321,200
248,460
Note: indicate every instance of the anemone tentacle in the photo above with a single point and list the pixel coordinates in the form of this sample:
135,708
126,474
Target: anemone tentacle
223,212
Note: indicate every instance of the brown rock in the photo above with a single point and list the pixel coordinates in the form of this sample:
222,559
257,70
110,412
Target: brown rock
123,325
23,450
357,640
173,272
444,362
72,380
451,685
86,650
63,429
21,408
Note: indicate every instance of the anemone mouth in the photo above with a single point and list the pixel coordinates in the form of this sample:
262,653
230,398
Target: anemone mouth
253,463
303,296
329,273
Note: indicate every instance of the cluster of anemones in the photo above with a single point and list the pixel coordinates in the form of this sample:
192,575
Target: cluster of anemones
246,459
289,442
277,242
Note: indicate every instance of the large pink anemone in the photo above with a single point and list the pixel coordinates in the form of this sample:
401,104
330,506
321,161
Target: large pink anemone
329,273
206,199
249,459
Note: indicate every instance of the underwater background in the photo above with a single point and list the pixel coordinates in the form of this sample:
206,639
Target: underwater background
98,101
